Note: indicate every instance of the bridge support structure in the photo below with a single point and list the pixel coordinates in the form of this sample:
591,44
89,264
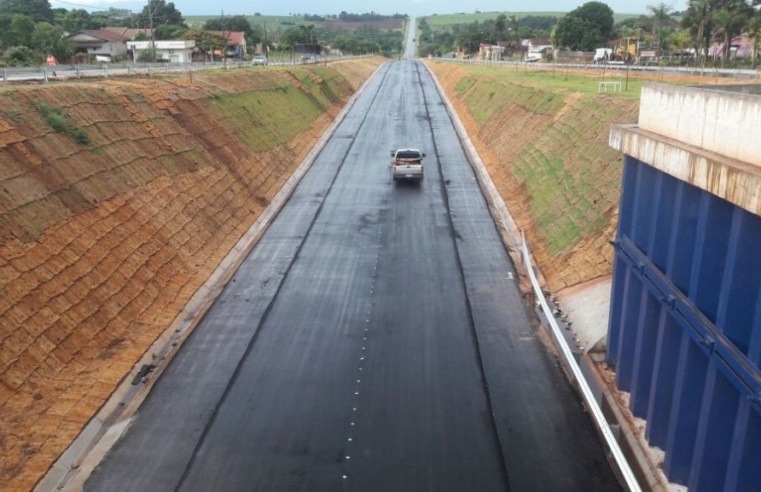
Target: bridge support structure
684,335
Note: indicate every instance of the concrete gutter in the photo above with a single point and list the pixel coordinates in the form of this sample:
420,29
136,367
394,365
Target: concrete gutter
76,464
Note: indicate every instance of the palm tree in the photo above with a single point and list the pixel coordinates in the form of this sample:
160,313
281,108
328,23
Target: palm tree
698,19
730,20
661,18
753,31
724,20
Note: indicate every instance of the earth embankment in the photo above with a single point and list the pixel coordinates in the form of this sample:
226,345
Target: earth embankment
117,201
544,140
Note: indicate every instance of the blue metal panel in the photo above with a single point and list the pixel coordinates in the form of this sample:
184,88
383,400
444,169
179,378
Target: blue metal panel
711,247
667,255
742,279
632,293
688,389
745,457
644,352
715,430
664,377
625,219
685,327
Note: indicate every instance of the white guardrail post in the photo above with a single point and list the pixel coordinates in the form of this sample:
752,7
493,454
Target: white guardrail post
589,399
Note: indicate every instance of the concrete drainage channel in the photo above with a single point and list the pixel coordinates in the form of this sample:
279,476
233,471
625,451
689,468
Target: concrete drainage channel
76,464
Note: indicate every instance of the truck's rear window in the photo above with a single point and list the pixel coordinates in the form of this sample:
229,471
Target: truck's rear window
408,155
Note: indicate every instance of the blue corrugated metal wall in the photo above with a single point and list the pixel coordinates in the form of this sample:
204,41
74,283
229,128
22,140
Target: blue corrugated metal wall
685,327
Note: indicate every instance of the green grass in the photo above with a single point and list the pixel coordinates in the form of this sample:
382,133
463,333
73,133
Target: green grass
268,118
60,122
446,21
557,80
488,96
271,22
567,169
545,178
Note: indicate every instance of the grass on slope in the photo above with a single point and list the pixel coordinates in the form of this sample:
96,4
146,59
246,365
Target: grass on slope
487,100
558,81
566,169
266,119
60,122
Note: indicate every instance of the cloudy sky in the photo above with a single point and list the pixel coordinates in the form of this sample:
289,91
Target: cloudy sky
411,7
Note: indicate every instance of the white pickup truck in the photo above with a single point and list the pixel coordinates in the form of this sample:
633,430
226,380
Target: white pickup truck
407,164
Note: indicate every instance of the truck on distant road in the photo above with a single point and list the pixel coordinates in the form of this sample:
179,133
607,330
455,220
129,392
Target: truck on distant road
407,164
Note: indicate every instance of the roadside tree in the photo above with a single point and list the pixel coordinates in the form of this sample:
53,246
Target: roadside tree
159,12
15,30
38,10
585,28
76,20
49,39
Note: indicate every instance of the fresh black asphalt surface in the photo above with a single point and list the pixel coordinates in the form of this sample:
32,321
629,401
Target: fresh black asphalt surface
374,340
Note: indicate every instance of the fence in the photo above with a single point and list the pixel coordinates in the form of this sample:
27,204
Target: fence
105,70
702,72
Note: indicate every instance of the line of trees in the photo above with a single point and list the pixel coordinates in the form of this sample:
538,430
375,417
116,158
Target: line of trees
691,31
30,30
467,37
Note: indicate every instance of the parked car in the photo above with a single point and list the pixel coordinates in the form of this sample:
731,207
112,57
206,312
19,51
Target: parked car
259,60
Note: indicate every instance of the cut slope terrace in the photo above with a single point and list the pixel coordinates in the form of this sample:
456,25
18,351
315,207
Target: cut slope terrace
117,201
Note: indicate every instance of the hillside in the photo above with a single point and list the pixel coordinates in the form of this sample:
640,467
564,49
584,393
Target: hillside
447,21
117,201
544,140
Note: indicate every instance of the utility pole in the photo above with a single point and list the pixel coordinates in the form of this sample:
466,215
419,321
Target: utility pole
224,35
152,11
265,50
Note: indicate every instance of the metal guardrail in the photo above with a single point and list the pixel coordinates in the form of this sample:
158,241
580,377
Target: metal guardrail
105,70
586,392
607,67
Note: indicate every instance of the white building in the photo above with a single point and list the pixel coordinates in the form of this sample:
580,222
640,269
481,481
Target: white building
101,43
173,51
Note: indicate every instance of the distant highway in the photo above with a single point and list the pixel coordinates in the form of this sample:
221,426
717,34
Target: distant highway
374,340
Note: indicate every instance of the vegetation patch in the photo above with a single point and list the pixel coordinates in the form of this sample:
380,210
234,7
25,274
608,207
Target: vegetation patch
265,119
61,123
563,217
490,96
543,136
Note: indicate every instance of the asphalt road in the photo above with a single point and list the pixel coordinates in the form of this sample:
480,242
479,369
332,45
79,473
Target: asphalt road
374,340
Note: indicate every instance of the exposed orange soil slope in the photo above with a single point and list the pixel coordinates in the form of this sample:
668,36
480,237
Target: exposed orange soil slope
574,132
103,242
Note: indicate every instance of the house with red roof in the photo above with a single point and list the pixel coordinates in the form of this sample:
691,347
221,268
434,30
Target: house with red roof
236,42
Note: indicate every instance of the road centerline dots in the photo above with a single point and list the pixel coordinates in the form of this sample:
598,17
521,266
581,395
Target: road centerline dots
362,356
263,320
